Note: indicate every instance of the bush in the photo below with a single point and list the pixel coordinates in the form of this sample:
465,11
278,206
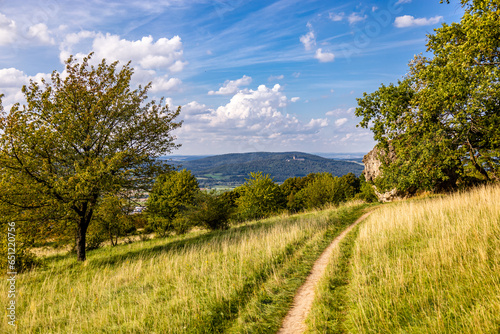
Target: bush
15,254
260,197
213,212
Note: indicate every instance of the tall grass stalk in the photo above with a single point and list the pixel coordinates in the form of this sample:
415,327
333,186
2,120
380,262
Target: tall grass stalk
429,266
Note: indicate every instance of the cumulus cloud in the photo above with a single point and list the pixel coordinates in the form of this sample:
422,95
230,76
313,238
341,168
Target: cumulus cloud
340,121
309,39
10,33
7,30
41,31
11,82
232,86
250,116
294,99
164,83
324,57
410,21
151,59
163,54
194,108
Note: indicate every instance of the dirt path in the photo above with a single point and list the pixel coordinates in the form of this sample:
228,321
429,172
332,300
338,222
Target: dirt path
294,321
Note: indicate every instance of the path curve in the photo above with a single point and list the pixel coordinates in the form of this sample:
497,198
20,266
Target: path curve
294,322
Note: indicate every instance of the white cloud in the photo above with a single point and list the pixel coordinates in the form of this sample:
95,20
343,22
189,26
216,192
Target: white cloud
336,17
232,86
294,99
309,39
324,57
164,83
251,117
8,30
340,121
164,54
41,31
11,82
402,2
374,8
10,33
355,17
410,21
151,60
194,108
340,111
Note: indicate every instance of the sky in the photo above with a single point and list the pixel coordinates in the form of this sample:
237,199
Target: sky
249,75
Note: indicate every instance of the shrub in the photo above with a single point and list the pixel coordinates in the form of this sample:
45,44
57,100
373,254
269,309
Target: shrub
260,197
213,212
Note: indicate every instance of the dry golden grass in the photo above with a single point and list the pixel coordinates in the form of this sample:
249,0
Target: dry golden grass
429,266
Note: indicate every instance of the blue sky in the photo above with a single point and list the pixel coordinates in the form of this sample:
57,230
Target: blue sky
249,75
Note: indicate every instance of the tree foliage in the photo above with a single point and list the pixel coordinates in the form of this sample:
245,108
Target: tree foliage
80,136
213,212
172,195
443,119
259,197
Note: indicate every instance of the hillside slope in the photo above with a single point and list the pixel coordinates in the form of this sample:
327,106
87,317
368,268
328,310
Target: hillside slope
233,169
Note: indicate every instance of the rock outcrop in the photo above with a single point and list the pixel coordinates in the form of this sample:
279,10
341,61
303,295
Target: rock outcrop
372,170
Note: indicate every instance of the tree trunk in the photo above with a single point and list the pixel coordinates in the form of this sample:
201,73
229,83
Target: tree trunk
81,237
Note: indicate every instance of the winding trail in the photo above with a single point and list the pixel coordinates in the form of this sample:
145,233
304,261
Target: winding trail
294,322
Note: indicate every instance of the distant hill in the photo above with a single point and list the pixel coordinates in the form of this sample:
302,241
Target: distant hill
231,170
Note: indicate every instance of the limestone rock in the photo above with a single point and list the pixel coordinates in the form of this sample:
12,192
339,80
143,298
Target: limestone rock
372,170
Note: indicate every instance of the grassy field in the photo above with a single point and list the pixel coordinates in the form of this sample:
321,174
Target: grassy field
428,266
241,280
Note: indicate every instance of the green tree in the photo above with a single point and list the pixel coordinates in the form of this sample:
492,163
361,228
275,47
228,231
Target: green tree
443,119
172,195
259,197
213,211
324,189
80,136
112,220
290,189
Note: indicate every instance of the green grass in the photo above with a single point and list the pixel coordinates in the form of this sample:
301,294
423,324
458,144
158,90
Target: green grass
240,280
429,266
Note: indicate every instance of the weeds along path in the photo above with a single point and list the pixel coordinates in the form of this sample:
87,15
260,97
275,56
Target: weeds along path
294,321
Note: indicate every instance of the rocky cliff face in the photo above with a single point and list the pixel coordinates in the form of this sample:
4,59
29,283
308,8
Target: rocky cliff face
372,170
372,165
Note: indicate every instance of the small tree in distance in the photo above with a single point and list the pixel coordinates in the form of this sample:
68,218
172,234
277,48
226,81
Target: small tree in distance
260,197
80,136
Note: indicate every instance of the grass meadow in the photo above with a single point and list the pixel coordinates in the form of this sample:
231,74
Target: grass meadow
428,266
237,281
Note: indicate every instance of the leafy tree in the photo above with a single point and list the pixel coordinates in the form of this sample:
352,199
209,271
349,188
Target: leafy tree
80,136
259,197
350,185
112,219
173,193
366,191
213,212
443,119
291,187
324,189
